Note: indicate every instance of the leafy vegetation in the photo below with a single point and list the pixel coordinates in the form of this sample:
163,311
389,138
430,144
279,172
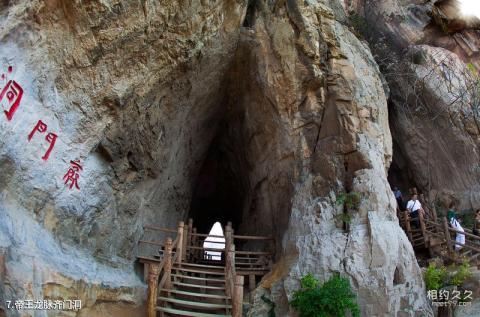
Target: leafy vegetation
435,278
350,200
332,299
439,277
461,275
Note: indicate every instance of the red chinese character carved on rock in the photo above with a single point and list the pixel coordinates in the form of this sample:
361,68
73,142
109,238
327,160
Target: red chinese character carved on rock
50,138
13,93
73,175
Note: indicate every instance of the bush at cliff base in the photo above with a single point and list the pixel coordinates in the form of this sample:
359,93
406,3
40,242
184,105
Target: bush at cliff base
332,299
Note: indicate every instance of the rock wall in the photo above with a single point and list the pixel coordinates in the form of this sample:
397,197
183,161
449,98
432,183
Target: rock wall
137,91
131,89
341,143
429,53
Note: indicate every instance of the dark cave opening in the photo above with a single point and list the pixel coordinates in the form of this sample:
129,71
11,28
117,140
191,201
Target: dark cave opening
241,178
220,190
399,173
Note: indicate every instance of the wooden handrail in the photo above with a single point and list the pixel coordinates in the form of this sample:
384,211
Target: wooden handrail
151,242
217,242
466,246
475,237
154,228
206,235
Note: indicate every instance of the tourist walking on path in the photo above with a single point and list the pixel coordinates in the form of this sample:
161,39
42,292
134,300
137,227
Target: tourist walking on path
460,238
414,207
398,197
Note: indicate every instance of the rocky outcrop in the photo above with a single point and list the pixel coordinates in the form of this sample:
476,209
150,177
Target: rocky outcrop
139,92
434,100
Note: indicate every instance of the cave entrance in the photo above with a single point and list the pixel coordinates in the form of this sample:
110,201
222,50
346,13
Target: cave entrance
215,240
400,174
220,190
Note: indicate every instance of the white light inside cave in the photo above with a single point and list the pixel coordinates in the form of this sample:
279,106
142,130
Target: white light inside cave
215,242
470,7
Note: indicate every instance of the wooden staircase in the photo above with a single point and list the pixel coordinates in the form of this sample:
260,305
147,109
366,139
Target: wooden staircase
183,280
197,290
436,236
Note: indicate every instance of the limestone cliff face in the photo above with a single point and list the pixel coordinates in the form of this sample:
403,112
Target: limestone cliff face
138,91
430,55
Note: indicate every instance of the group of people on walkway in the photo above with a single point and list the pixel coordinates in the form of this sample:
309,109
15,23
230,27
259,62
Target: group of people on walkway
414,208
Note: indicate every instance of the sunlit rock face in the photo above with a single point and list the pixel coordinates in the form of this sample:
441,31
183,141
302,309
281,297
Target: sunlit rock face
138,92
430,57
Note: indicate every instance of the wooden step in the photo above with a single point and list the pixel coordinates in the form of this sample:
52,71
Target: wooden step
418,239
252,264
180,312
207,279
176,291
184,269
197,305
221,267
245,258
198,286
262,268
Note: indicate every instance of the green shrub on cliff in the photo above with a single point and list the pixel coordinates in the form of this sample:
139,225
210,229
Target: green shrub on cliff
332,299
435,278
462,274
438,277
350,200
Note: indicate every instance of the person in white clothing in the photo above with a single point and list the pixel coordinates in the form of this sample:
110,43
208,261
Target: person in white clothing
414,207
459,238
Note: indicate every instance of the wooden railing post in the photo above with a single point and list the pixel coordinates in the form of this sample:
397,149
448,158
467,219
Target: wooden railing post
188,251
423,227
408,227
168,263
448,239
237,300
251,286
194,243
228,236
152,281
184,243
180,245
230,269
434,213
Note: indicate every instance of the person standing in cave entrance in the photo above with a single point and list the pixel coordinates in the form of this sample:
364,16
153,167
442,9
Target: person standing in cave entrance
398,197
455,224
414,207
